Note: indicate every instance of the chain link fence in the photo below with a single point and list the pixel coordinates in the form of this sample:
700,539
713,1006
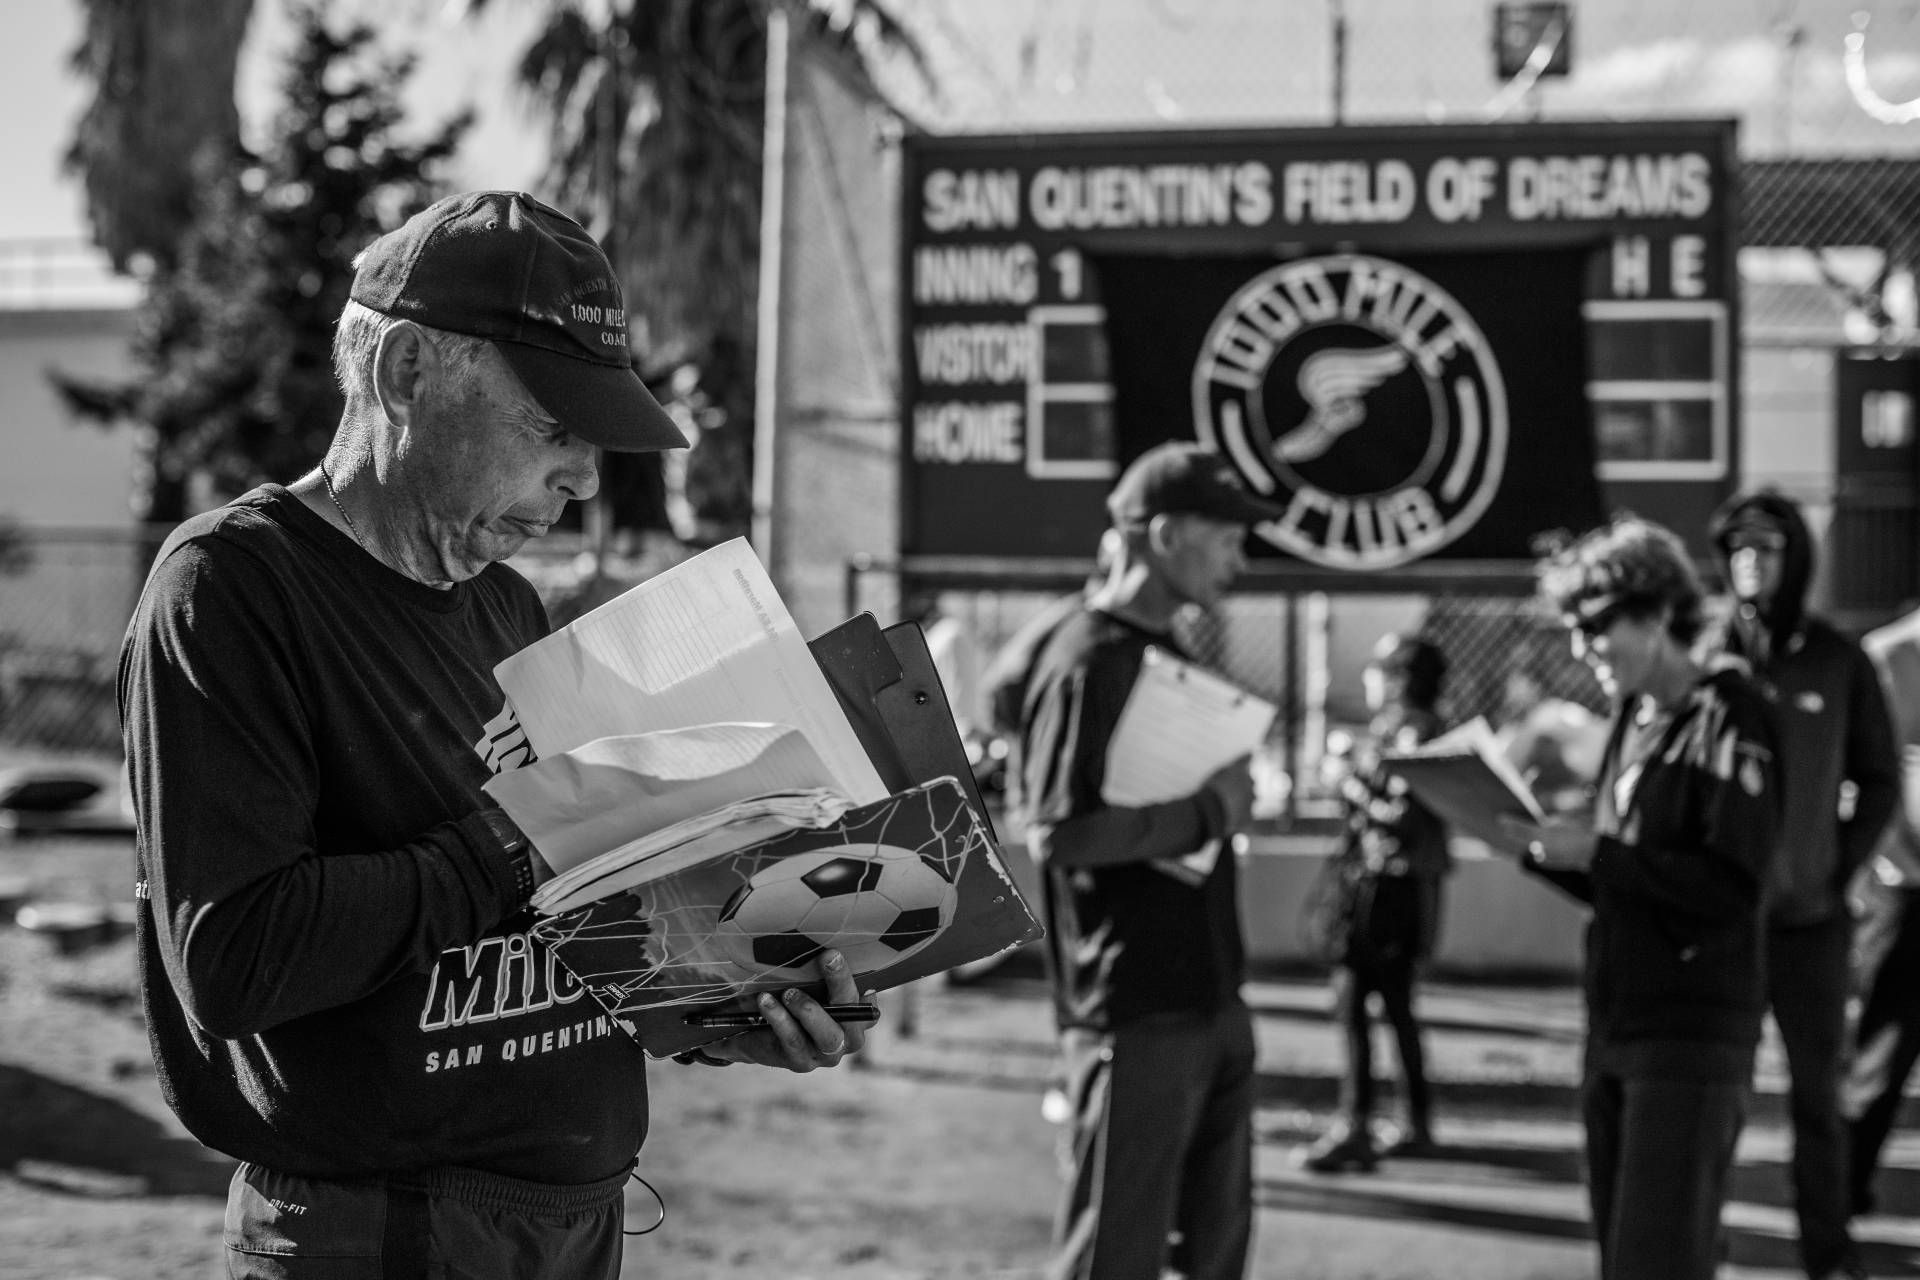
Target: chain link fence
1826,93
1303,651
1804,77
66,597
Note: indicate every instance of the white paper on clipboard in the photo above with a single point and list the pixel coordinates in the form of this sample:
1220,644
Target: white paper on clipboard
1181,724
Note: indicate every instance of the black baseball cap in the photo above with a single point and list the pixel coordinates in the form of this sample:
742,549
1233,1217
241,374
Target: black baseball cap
1182,478
503,266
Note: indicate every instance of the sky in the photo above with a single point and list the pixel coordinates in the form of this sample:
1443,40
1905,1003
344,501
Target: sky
1776,65
461,64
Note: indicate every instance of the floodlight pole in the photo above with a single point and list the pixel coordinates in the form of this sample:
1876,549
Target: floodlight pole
1339,60
773,196
597,518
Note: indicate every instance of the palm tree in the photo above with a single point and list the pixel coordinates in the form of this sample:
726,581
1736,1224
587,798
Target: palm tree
232,379
655,112
162,72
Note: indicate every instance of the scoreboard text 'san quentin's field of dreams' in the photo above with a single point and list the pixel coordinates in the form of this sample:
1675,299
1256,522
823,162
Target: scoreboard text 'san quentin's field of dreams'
1427,343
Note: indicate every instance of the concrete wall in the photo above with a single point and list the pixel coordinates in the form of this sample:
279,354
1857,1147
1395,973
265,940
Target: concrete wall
59,471
1497,922
60,474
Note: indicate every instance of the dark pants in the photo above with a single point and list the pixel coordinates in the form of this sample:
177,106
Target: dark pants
1393,980
450,1222
1160,1166
1395,929
1658,1156
1807,977
1888,1043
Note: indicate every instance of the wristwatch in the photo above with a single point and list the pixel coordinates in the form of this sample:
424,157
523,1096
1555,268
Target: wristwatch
514,843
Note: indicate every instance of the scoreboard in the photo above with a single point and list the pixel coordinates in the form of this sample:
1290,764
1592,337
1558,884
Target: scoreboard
1420,266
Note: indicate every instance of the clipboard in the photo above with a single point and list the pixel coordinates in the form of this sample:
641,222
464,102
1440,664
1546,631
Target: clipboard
1180,723
890,690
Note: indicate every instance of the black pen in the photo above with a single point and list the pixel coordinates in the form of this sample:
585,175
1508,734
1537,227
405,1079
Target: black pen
745,1020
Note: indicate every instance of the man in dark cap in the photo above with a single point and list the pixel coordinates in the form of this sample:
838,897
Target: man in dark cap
1833,729
1146,965
341,991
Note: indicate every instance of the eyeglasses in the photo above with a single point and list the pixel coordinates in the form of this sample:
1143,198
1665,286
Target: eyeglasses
1593,625
1756,540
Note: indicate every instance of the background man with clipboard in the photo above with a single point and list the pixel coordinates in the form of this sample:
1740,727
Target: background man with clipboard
1146,966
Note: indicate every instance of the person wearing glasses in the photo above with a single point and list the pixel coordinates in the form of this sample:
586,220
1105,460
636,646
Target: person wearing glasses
1672,860
1835,735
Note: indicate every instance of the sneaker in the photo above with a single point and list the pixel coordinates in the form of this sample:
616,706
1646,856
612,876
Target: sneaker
1342,1149
1411,1143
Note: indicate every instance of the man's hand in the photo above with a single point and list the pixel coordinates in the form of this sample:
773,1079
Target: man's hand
799,1035
1560,845
1233,783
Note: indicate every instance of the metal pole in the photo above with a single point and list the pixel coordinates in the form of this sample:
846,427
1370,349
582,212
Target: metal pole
1290,707
598,516
1339,64
773,197
857,564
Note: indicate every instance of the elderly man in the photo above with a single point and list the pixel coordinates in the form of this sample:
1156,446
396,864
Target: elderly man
340,989
1142,908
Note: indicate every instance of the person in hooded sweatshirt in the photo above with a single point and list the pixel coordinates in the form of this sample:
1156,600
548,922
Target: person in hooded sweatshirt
1833,728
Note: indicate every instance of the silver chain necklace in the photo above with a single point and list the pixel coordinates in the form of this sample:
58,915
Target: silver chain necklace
328,481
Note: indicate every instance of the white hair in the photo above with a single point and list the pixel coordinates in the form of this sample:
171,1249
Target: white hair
356,339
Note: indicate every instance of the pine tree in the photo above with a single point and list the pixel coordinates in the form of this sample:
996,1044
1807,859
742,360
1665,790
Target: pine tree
232,343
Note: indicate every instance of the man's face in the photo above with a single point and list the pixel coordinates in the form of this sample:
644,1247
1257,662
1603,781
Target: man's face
487,468
1203,557
1623,652
1754,557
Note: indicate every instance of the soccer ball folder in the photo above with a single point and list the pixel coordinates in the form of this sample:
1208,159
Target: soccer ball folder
904,887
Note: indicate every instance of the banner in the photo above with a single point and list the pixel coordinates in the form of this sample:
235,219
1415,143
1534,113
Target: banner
1400,409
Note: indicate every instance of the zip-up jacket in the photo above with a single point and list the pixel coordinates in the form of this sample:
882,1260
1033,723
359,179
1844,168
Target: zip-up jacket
1674,946
1831,715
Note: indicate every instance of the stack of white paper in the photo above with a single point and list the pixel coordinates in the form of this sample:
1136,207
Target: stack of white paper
684,713
707,641
602,794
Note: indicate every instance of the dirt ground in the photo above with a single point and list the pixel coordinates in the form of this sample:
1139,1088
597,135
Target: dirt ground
843,1174
930,1162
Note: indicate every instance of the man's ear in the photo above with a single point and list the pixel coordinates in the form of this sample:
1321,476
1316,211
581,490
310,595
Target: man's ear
404,362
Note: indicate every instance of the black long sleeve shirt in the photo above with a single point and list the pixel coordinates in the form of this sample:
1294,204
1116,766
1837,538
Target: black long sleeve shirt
336,968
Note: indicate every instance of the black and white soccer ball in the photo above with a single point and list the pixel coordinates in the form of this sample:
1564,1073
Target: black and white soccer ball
877,903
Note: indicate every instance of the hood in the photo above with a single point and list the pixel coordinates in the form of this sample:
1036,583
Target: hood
1789,606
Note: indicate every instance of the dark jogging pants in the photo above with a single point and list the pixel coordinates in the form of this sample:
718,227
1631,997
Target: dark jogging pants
440,1223
1889,1045
1659,1155
1160,1164
1807,979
